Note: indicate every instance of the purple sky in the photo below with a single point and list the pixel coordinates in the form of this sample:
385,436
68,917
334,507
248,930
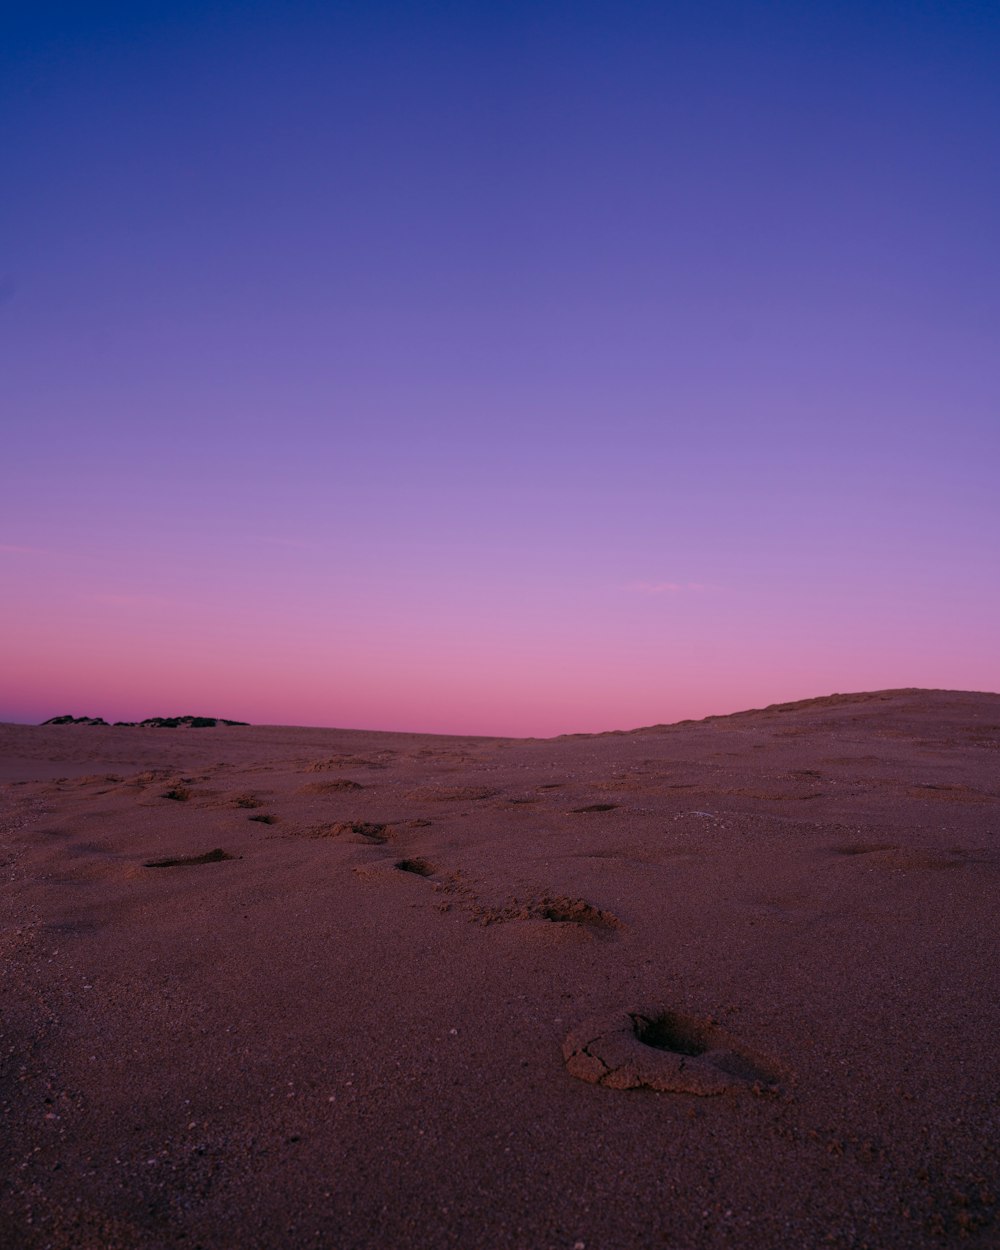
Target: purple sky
496,368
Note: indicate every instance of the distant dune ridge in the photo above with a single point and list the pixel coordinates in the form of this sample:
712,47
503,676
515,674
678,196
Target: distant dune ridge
713,985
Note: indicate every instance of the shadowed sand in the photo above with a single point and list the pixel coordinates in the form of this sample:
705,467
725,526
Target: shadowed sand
731,983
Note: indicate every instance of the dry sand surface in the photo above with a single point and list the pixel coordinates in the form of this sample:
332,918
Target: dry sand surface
731,983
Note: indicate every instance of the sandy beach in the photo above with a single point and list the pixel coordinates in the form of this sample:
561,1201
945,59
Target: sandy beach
729,983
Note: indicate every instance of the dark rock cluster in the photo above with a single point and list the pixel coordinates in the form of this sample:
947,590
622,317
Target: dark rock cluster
152,722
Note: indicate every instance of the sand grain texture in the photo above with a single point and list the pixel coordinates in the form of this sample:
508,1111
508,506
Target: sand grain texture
723,984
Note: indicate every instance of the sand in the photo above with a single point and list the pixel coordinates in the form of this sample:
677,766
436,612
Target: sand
731,983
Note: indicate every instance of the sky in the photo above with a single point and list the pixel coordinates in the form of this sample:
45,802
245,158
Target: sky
496,368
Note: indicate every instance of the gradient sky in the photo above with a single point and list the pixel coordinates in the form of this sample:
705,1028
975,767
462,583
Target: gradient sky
496,368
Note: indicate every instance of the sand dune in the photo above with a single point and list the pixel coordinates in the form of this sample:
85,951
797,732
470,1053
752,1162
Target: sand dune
731,983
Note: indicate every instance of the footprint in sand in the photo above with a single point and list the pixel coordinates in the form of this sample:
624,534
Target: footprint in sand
560,910
331,787
244,801
553,912
862,848
364,832
179,794
888,855
189,861
419,867
385,870
376,762
664,1051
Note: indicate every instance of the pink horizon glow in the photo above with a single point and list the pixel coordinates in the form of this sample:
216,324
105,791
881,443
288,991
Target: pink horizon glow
543,662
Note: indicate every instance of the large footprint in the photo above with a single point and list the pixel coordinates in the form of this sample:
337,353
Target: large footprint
663,1051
